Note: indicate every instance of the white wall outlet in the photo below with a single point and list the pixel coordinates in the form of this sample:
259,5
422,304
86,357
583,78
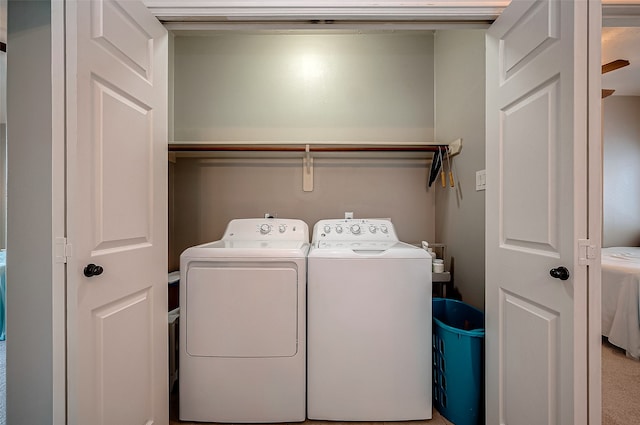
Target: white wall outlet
481,180
348,215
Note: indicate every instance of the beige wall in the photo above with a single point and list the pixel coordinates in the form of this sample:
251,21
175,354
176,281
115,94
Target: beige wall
460,105
210,192
621,171
33,217
304,87
248,87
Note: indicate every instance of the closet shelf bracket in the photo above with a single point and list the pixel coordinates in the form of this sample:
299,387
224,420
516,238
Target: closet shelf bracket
455,147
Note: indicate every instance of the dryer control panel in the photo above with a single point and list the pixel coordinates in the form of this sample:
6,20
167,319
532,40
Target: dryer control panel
257,229
370,229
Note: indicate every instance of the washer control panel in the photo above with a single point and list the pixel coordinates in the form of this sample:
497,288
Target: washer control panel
370,229
267,229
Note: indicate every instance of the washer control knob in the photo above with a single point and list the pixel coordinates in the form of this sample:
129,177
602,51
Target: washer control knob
338,229
372,228
264,229
327,228
355,229
383,228
282,228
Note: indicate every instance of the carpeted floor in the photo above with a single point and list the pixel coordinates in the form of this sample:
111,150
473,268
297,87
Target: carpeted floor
620,387
620,390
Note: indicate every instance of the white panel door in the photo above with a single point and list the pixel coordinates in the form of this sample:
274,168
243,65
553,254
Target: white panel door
536,153
116,56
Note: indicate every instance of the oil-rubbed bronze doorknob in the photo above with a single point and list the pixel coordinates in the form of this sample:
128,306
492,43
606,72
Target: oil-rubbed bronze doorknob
561,273
92,270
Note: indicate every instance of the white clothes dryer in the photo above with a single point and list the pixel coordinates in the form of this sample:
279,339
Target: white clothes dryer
243,324
368,324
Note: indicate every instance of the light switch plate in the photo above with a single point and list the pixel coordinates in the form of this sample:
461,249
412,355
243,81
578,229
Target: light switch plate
481,180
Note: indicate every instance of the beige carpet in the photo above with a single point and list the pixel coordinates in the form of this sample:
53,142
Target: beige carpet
620,387
620,390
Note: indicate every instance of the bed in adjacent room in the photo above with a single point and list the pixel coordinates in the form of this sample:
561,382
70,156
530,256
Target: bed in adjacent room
621,298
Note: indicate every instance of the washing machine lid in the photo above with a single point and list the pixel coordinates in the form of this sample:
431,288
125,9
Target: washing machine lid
366,249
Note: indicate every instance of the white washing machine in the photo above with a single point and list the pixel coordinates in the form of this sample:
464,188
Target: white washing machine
243,324
368,324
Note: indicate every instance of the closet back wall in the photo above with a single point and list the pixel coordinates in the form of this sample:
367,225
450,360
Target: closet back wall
301,87
213,191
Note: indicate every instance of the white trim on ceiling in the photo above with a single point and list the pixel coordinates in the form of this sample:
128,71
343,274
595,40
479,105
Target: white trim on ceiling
325,10
621,14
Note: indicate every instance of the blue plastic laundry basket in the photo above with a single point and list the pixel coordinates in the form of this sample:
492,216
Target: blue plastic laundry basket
458,361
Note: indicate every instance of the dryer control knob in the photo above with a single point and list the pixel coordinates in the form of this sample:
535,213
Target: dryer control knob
282,228
355,229
338,229
327,228
384,229
372,228
264,229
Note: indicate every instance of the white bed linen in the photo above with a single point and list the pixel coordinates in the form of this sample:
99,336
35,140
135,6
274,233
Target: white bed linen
621,298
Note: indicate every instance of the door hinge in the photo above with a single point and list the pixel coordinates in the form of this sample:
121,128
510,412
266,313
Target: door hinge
587,252
62,250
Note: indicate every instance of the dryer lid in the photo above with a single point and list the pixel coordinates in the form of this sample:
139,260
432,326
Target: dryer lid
248,249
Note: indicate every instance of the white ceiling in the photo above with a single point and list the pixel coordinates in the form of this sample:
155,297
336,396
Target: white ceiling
622,43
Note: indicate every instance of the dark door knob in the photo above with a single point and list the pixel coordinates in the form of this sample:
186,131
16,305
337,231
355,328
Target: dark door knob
560,273
92,270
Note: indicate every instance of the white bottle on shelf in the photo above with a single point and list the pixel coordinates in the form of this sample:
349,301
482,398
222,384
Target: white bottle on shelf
438,265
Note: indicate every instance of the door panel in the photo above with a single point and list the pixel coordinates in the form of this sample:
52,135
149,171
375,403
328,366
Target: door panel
122,171
536,213
130,403
538,29
533,360
116,56
118,32
530,151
